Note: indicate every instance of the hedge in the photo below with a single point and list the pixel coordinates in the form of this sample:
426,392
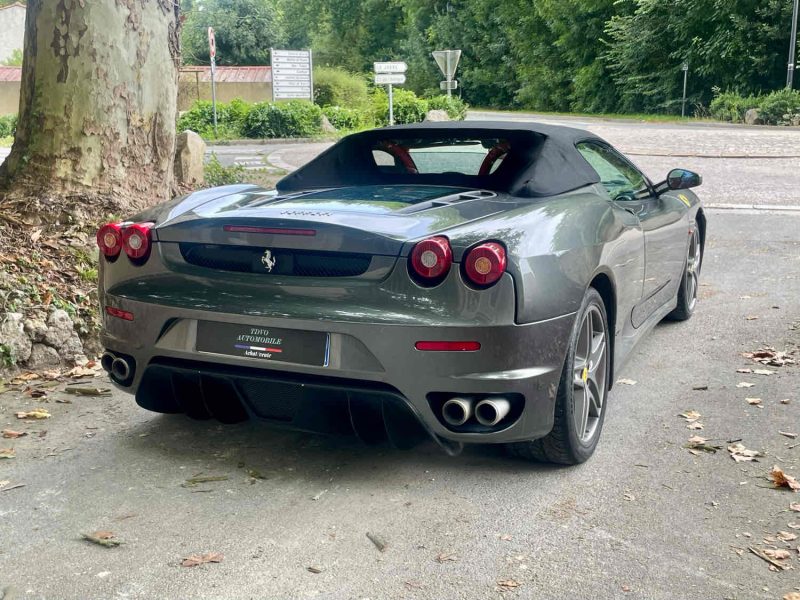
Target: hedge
455,107
777,108
8,125
335,87
296,118
408,108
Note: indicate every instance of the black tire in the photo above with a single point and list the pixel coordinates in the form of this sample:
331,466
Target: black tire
690,281
564,444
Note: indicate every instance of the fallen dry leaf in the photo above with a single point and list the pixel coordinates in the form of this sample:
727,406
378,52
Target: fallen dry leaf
777,554
200,559
753,401
744,370
697,442
690,415
7,453
10,434
786,536
444,557
315,570
626,381
505,537
788,434
781,479
795,506
785,401
38,413
696,425
507,584
764,372
744,384
741,454
751,318
105,539
83,391
792,596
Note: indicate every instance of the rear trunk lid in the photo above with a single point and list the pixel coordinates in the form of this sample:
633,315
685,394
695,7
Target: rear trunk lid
375,220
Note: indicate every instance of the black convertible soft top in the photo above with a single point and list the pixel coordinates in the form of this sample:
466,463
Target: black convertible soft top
543,160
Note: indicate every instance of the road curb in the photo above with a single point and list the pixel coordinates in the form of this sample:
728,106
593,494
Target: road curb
753,207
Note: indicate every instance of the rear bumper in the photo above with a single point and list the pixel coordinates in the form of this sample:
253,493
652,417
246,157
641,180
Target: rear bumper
369,362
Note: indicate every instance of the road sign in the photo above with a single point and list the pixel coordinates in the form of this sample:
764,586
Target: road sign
292,77
387,78
685,66
447,61
390,67
212,43
448,85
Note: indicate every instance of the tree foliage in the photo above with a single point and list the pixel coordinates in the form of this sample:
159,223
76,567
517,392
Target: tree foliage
565,55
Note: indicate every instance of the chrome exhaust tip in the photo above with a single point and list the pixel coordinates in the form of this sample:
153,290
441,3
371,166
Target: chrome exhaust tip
491,411
106,361
120,369
457,411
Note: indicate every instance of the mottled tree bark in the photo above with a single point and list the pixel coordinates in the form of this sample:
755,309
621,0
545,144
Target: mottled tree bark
97,105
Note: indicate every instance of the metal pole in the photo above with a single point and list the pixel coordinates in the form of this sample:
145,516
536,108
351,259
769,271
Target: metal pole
685,81
391,106
449,91
793,46
214,92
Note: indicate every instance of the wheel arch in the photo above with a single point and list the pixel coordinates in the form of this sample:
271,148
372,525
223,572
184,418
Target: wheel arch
603,283
701,226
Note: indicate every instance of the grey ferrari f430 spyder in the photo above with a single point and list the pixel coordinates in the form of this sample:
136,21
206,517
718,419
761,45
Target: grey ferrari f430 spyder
469,282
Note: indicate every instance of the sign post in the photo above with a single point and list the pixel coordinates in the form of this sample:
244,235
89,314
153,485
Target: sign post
390,74
212,52
448,63
292,75
793,47
685,82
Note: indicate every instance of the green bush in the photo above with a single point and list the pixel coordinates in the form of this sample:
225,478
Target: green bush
296,118
216,174
455,107
408,108
335,87
230,118
8,125
345,119
731,106
780,108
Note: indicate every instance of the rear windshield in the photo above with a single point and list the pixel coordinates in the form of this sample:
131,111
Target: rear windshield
463,156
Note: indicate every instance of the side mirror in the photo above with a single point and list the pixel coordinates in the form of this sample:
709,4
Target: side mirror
682,179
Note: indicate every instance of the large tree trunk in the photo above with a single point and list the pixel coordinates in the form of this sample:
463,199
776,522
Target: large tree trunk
97,105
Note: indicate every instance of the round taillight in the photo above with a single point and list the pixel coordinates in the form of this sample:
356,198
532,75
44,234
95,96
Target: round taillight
136,240
109,239
431,260
485,264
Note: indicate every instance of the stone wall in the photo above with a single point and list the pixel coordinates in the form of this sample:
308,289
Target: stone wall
35,343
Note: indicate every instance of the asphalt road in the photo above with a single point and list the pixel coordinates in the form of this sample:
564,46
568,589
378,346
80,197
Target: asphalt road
645,518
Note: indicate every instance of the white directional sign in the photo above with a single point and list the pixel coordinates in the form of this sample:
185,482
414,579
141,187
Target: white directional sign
292,75
390,67
448,85
387,78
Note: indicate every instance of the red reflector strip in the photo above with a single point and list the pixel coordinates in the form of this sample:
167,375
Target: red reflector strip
448,346
269,230
119,313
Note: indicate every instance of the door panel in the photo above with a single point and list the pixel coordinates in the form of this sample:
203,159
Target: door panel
662,219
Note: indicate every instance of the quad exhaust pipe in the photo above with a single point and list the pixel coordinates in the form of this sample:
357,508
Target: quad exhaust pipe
491,411
457,411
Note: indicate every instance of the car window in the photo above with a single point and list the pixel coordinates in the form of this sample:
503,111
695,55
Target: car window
462,156
616,174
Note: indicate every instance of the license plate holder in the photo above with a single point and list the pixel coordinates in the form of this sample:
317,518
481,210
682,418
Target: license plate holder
273,344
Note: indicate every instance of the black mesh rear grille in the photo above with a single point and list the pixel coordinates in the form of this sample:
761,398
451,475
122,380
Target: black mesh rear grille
250,259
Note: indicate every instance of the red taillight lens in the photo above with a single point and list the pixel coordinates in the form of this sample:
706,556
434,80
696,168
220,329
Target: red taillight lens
431,259
119,313
109,239
136,240
485,264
